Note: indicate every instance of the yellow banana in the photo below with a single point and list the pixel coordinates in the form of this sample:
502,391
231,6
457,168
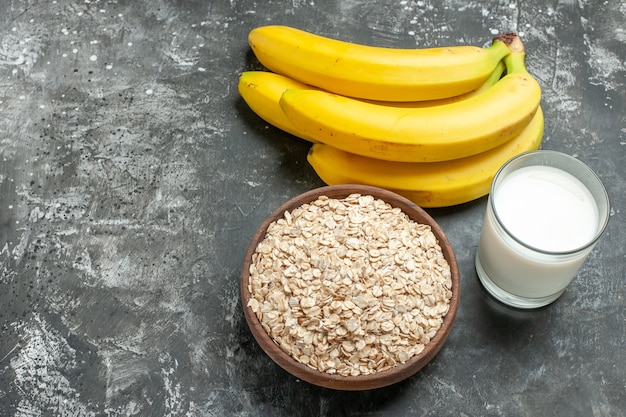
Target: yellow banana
261,90
429,134
435,184
493,78
374,73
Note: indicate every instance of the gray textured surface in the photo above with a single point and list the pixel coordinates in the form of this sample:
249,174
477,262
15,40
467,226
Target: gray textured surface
132,177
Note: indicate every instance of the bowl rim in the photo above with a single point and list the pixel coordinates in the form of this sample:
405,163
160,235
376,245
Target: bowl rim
336,381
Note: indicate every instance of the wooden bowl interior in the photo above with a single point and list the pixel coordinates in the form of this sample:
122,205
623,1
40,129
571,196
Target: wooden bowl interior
361,382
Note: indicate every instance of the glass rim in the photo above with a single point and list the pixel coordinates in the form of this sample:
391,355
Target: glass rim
601,225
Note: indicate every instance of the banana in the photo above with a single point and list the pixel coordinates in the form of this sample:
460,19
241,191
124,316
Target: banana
493,78
261,90
436,184
430,134
374,73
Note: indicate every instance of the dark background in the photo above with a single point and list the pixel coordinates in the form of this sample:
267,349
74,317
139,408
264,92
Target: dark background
132,177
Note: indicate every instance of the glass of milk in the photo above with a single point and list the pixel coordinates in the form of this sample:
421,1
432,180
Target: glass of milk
545,213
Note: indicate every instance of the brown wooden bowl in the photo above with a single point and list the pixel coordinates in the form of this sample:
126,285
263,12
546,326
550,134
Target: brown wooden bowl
361,382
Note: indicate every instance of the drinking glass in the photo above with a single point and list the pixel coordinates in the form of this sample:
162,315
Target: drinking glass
545,213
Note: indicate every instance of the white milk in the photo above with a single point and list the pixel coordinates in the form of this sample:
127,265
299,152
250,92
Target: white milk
548,210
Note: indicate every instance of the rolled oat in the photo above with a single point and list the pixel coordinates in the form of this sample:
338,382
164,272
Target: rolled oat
349,286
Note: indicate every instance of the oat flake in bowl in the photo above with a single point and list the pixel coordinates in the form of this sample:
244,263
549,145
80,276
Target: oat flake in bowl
349,285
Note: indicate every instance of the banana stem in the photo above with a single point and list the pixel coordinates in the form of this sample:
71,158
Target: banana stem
515,61
512,40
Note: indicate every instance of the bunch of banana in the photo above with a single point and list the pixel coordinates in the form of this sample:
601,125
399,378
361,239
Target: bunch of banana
433,124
